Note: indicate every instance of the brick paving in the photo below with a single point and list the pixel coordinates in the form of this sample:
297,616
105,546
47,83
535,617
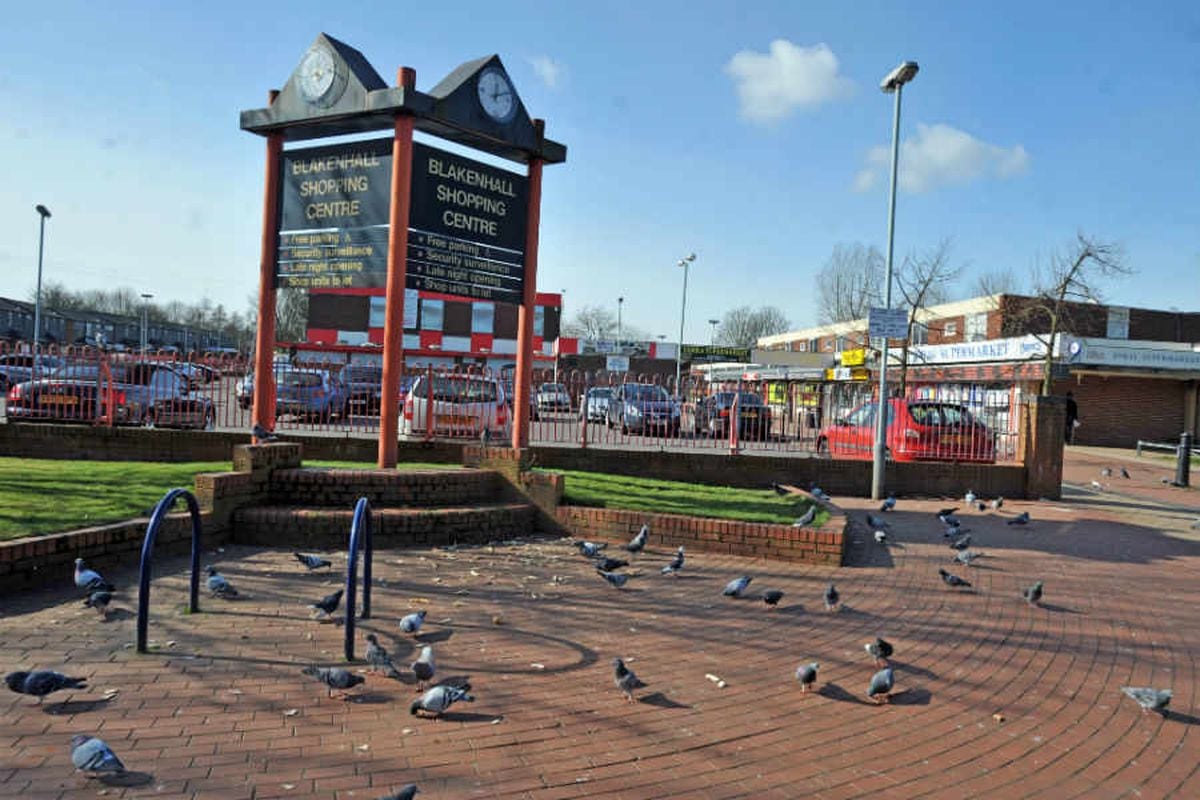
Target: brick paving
210,712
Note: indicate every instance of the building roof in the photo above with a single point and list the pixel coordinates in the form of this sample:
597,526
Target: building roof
974,305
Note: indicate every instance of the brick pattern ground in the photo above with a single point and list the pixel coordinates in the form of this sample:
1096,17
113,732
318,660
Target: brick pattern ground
209,714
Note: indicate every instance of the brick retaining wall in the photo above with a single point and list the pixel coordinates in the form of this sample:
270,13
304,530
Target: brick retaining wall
343,487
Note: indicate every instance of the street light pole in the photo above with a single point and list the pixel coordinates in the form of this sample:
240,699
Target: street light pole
620,305
562,318
145,321
893,83
44,213
712,336
683,262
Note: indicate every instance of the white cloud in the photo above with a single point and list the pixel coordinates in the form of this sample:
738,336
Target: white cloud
772,85
941,155
550,71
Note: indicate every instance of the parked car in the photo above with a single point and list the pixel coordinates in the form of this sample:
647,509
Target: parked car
243,390
463,405
917,430
364,387
553,397
643,408
308,393
595,403
712,415
18,367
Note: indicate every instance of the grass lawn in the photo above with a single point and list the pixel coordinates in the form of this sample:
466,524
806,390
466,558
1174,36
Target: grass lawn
673,497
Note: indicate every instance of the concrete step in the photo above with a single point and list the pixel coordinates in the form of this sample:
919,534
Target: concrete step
341,488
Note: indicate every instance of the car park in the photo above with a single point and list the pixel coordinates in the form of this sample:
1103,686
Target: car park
643,408
712,416
917,430
455,405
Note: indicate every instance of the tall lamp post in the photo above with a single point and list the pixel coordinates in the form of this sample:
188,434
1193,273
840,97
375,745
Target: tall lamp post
562,318
37,306
712,336
892,84
683,262
145,321
620,305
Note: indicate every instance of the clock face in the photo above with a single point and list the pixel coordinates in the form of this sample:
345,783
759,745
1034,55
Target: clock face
318,76
496,95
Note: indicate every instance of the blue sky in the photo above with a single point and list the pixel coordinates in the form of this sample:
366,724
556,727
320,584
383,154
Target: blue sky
748,133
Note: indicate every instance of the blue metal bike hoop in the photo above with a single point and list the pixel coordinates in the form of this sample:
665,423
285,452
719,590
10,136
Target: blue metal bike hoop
360,536
156,520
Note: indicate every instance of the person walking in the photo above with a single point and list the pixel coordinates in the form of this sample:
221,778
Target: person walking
1072,418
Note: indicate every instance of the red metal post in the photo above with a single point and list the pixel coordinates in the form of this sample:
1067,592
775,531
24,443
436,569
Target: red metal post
524,377
393,327
264,340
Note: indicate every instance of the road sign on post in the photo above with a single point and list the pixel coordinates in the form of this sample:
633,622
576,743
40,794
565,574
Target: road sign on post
888,323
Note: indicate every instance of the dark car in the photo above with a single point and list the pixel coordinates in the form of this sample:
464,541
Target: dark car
917,430
713,415
19,367
643,408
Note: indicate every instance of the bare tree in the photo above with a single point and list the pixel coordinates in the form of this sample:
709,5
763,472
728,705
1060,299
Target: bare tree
850,283
923,280
291,314
744,326
593,323
1000,281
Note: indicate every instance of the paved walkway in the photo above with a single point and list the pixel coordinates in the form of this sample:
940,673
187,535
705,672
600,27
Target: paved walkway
994,698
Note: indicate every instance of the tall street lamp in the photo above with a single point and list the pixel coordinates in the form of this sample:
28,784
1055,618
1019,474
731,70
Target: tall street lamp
683,262
892,84
620,305
712,336
145,321
44,213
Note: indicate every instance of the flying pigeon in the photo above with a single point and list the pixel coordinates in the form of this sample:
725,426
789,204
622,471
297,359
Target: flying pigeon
807,675
875,522
617,579
880,650
779,490
953,580
638,542
218,586
610,564
88,579
335,678
42,682
735,587
1019,519
262,435
969,497
1106,472
424,667
328,604
676,563
625,680
591,549
772,597
412,623
99,600
806,518
312,562
881,537
1149,699
881,685
1033,594
965,557
998,504
93,756
832,598
961,543
889,503
1124,472
378,658
406,793
436,700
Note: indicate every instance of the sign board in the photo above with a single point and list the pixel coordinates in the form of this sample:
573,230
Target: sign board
617,363
854,358
1125,353
888,323
699,353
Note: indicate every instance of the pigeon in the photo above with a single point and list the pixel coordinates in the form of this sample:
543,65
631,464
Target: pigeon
1033,594
807,675
772,597
616,579
1019,519
998,504
639,542
779,490
832,598
951,579
889,503
1149,699
881,537
412,622
946,512
312,562
953,533
93,756
961,543
218,586
982,506
262,435
881,685
424,667
625,680
806,518
335,678
610,564
1106,472
1196,523
378,658
676,563
435,701
1098,486
736,586
591,549
950,521
328,604
41,682
965,557
406,793
880,650
875,522
484,436
969,497
816,492
99,600
88,579
1124,473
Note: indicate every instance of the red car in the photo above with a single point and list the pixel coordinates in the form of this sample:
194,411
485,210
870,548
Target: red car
918,430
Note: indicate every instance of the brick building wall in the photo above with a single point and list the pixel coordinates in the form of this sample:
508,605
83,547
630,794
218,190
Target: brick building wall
1117,411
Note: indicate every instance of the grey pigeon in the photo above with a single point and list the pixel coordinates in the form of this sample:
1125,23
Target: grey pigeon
806,518
638,542
312,562
93,756
880,650
412,623
998,504
1124,472
1032,594
334,678
328,604
1196,523
816,492
969,497
889,503
42,682
951,521
99,600
591,549
261,434
435,701
946,512
951,533
982,506
1019,519
378,658
1098,486
610,564
625,680
736,586
1149,699
616,579
218,586
961,543
881,537
1106,472
807,675
832,598
676,563
89,580
406,793
424,667
772,597
965,557
882,682
875,523
953,580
